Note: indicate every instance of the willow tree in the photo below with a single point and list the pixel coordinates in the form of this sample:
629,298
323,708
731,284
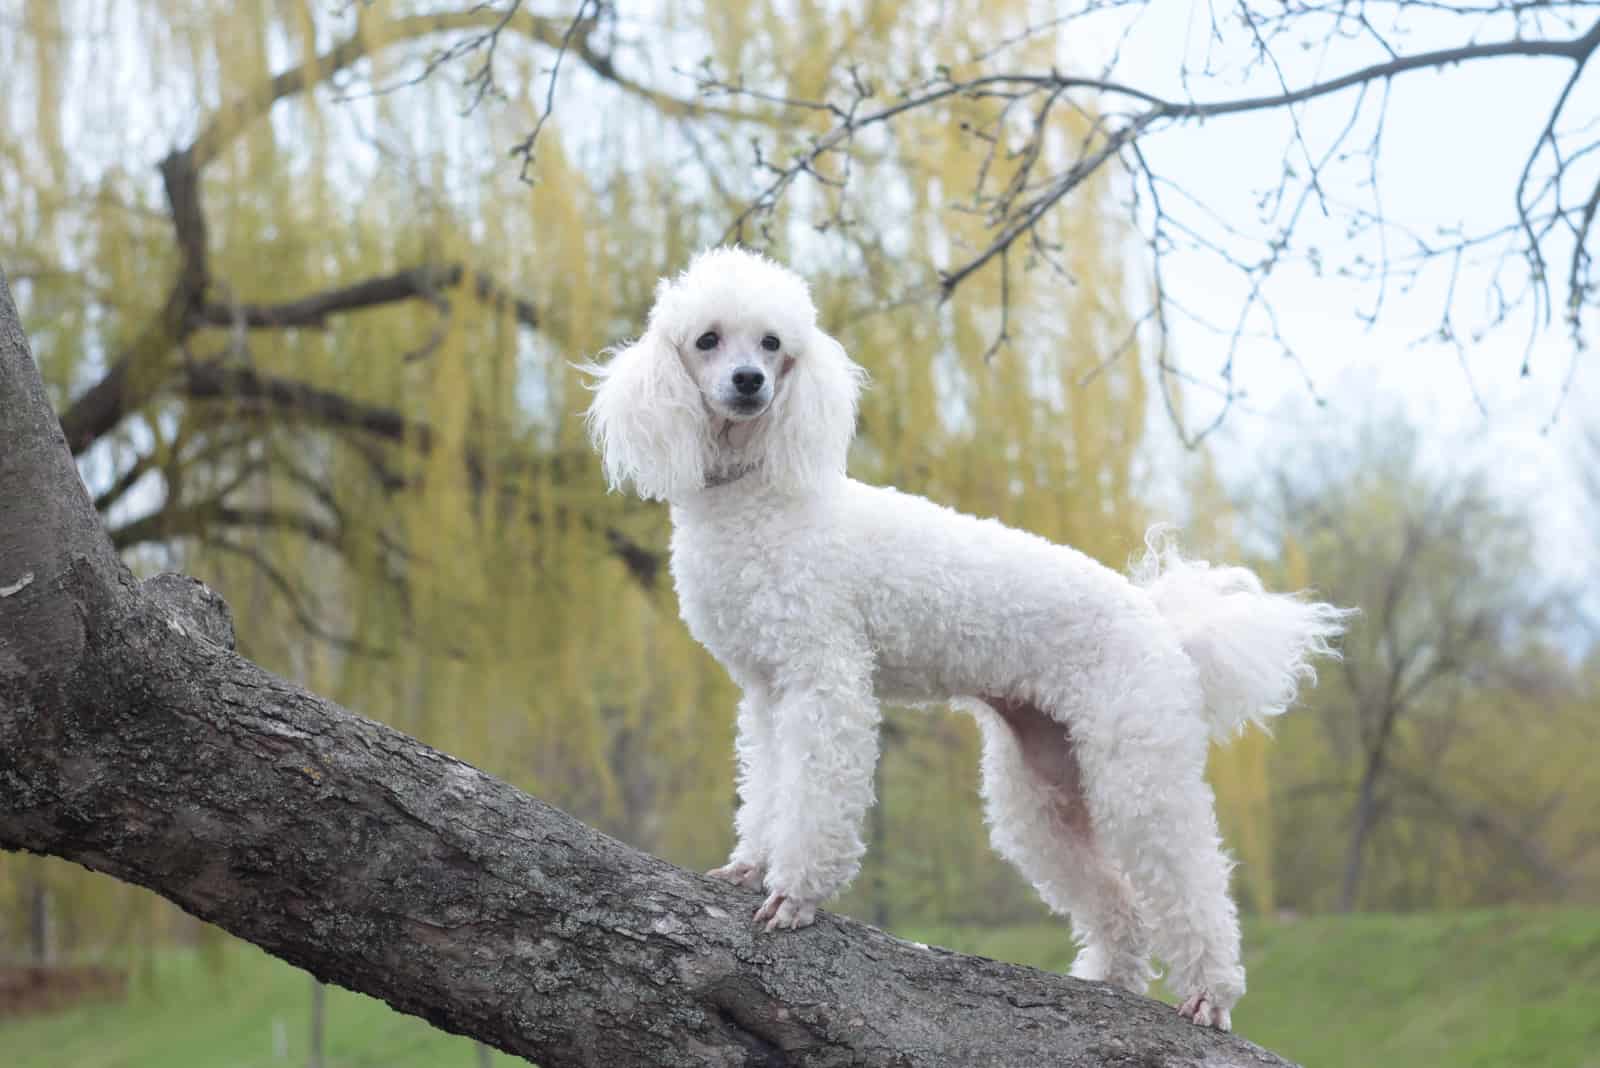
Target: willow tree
1435,765
310,333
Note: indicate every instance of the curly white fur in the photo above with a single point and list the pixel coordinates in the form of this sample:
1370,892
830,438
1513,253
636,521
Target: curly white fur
1253,649
821,596
648,418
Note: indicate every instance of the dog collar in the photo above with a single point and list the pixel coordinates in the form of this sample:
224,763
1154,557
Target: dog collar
725,477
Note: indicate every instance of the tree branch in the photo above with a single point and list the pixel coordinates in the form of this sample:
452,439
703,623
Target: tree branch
193,605
424,282
988,103
97,410
105,404
291,399
195,521
549,31
214,380
1576,49
405,285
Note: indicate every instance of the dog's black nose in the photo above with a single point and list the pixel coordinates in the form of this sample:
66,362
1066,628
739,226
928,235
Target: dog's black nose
748,380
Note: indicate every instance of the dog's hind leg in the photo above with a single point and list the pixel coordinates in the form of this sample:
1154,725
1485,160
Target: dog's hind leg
1039,821
1143,774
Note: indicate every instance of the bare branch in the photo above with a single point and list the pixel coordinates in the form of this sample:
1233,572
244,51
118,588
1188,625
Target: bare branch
214,380
1122,115
425,282
195,521
525,149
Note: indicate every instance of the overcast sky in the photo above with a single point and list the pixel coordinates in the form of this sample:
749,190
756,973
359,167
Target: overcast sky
1454,142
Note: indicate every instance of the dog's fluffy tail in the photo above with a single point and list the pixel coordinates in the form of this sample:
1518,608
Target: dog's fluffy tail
1253,648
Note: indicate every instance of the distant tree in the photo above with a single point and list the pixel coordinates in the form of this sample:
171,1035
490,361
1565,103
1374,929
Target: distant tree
1452,646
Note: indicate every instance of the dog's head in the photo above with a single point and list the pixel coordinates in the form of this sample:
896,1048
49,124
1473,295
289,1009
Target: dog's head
732,379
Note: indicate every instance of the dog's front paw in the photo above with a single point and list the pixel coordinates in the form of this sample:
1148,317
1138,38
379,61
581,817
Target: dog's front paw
739,874
781,912
1202,1010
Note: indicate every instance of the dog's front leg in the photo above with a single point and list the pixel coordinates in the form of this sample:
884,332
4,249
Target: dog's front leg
826,734
758,785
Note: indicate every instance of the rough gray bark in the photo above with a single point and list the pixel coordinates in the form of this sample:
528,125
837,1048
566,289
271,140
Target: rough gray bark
134,741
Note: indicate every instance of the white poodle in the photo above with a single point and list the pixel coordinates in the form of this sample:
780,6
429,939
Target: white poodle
822,596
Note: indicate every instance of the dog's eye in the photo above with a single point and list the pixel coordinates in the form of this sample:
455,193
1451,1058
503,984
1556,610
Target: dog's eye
771,343
707,341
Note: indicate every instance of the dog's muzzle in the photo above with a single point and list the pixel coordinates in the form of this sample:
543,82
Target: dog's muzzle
750,395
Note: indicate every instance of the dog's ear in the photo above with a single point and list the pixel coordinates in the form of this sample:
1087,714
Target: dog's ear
647,419
814,416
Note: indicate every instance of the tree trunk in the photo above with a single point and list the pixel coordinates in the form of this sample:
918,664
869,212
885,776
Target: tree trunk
41,944
1356,852
319,1011
1366,815
135,742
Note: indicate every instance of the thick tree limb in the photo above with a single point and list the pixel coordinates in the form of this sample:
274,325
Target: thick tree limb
106,403
193,522
288,398
127,381
192,605
313,310
98,409
135,742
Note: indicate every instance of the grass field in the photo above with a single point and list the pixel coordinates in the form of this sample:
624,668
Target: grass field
1485,989
1474,989
243,1009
